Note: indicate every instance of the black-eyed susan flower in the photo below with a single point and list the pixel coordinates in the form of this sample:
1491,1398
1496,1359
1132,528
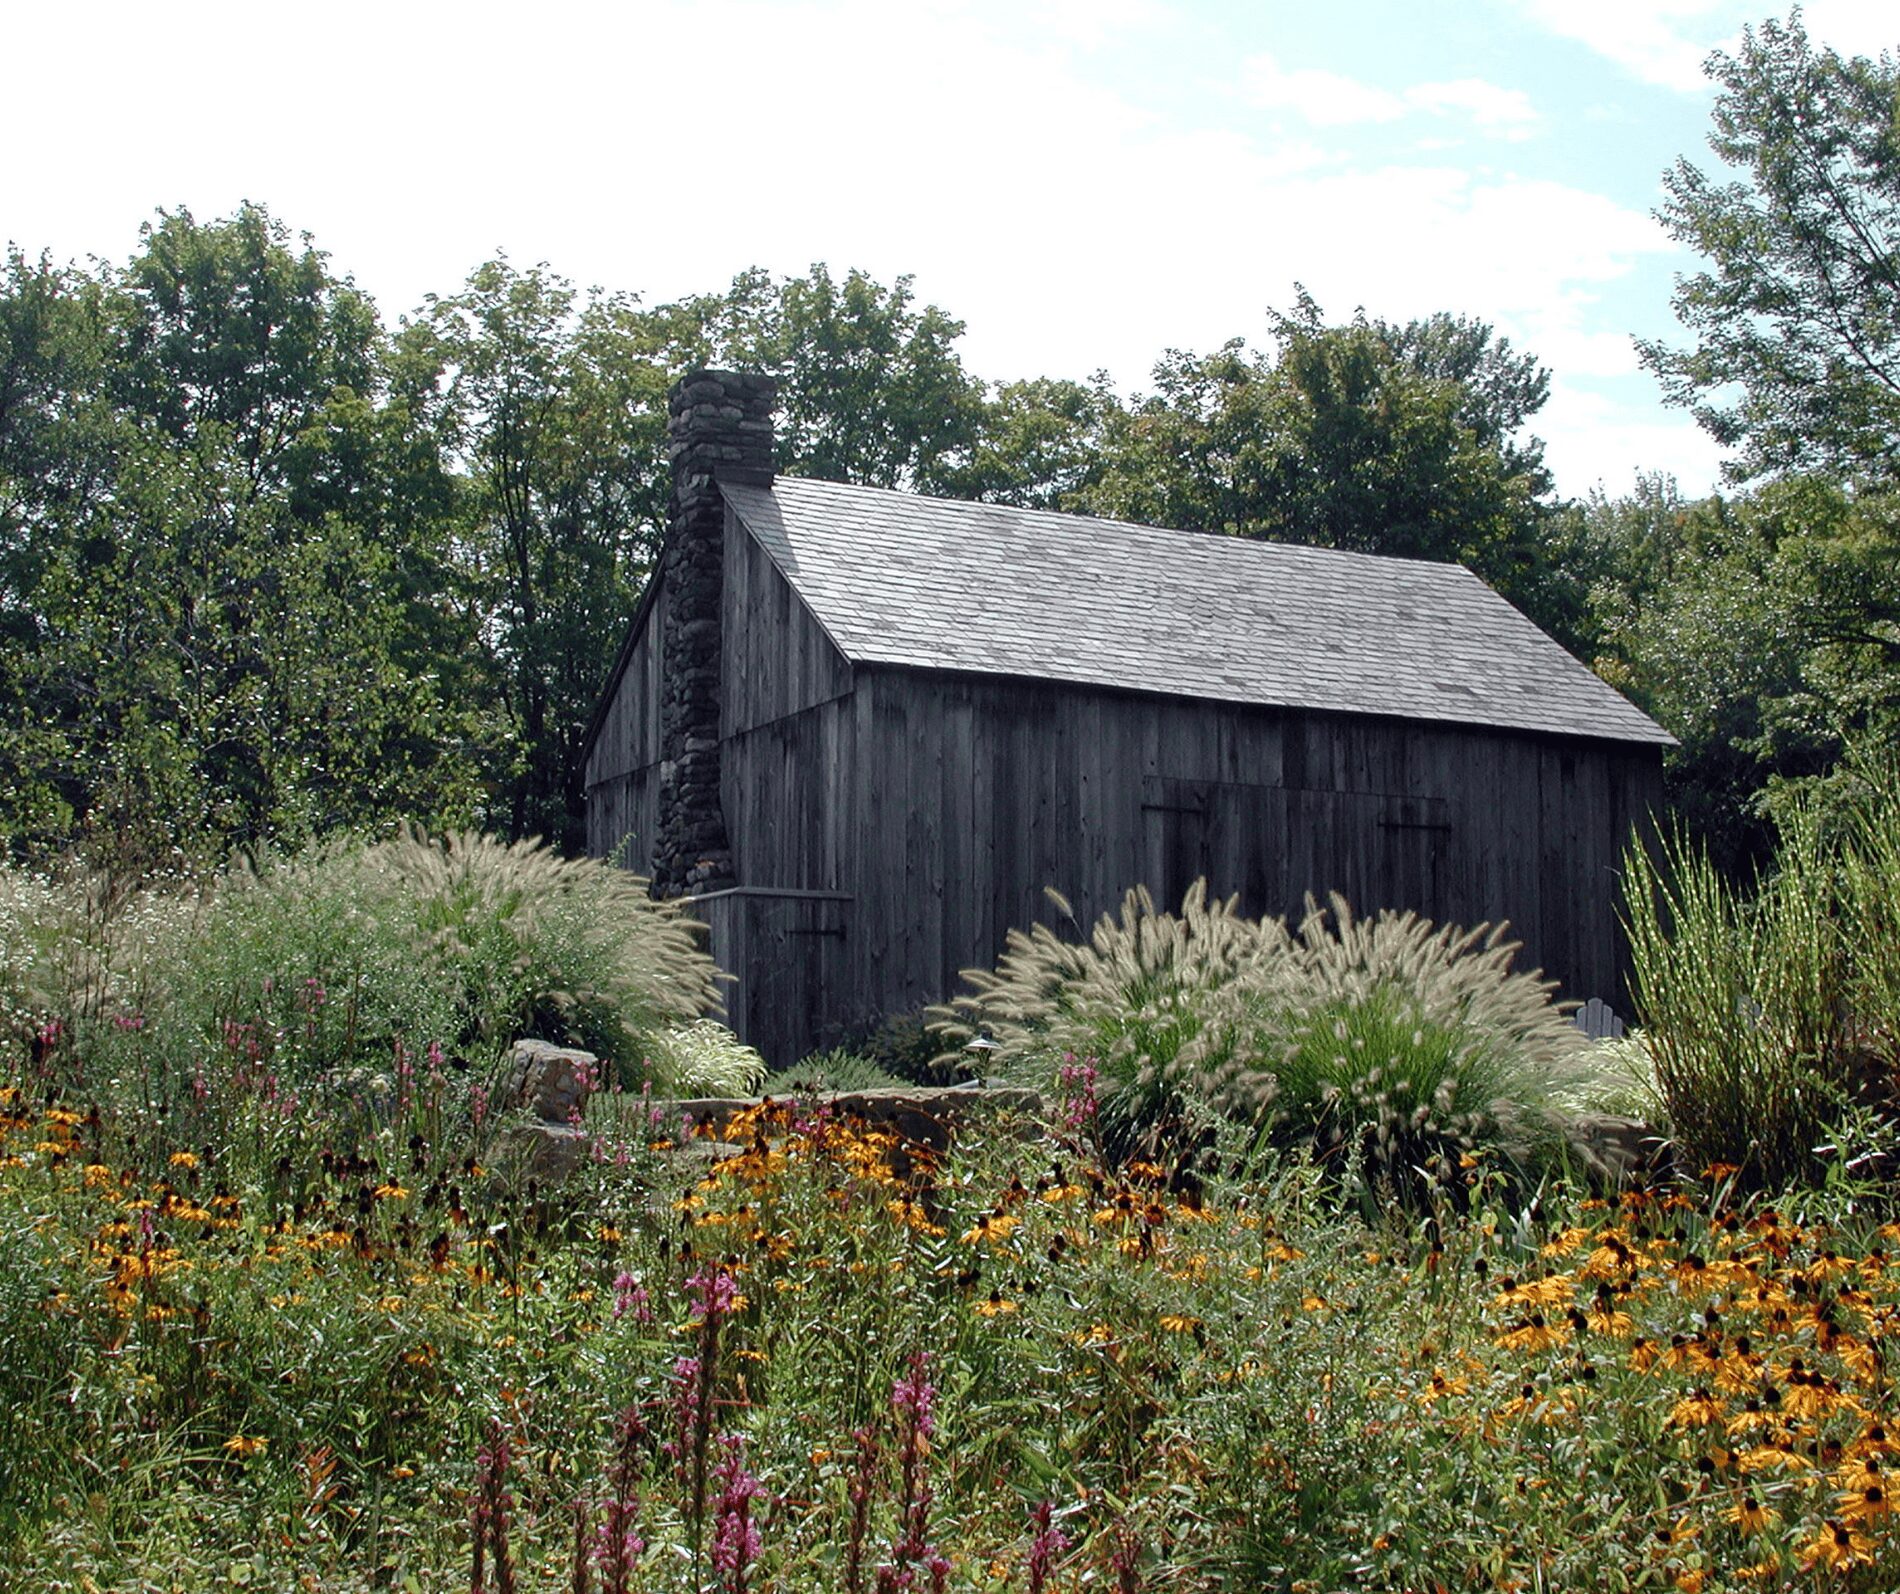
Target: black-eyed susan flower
1838,1545
1750,1516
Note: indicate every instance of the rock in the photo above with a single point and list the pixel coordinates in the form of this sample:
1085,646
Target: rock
1616,1150
548,1152
551,1082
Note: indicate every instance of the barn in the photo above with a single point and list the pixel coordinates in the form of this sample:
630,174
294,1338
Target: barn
863,730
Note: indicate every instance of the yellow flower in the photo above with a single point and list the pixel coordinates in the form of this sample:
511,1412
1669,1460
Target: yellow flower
1838,1544
391,1192
995,1306
247,1444
184,1159
1750,1516
1699,1409
1179,1323
1534,1333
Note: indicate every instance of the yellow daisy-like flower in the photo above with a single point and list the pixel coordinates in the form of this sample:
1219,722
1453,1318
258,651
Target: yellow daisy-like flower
991,1227
1698,1409
1750,1516
1534,1333
1179,1322
1838,1545
242,1445
184,1159
1867,1502
995,1306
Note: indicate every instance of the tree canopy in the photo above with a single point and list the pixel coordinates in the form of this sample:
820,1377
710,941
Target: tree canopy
1795,319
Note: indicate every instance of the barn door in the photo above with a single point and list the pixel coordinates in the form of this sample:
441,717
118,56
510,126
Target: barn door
1275,844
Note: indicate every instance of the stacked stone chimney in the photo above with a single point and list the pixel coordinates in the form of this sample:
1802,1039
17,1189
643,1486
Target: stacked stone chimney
719,429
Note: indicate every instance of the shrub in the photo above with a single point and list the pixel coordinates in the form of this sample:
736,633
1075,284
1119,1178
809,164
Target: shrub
706,1058
838,1069
345,989
1383,1044
1773,1014
1145,997
1394,1046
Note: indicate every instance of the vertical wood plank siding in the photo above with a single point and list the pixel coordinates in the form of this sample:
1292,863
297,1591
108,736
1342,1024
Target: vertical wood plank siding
975,794
623,764
890,826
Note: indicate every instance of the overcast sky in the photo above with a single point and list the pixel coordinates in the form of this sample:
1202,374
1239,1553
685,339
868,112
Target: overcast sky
1084,182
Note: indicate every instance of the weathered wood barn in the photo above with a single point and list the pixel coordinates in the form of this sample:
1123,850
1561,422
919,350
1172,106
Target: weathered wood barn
865,729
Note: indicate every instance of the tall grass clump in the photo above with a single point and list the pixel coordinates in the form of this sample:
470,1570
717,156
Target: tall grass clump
1399,1046
357,990
1384,1045
1144,999
1772,1014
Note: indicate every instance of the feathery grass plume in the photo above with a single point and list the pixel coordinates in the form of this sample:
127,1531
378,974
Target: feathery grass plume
1406,1044
1406,1041
466,939
705,1058
1745,1000
1143,997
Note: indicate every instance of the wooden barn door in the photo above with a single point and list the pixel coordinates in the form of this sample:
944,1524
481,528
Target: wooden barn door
1275,844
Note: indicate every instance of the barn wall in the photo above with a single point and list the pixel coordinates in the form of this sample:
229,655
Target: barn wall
623,765
974,794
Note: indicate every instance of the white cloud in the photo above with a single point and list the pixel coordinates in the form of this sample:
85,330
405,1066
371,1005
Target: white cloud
1495,110
1665,42
1326,99
662,145
1323,98
1654,40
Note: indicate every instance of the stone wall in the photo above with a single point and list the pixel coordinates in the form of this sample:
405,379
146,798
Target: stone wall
719,428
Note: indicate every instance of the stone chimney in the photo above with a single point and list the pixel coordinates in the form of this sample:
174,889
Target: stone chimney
719,429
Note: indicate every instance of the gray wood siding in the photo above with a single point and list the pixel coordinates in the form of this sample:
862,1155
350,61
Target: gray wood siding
973,795
623,765
776,659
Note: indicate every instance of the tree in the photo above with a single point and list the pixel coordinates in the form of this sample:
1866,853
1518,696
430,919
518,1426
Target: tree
1798,312
1398,441
218,628
555,411
1762,631
871,389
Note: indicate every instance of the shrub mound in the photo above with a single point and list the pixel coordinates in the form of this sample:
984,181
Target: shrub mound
1387,1047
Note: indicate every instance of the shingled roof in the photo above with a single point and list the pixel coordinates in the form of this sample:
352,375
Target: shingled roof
946,585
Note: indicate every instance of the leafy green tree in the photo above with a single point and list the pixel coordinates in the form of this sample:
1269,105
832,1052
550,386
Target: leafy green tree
218,632
1361,436
555,411
871,388
1795,360
1763,632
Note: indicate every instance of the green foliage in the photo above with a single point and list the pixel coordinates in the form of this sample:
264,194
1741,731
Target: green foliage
705,1058
1369,437
1392,1048
1145,999
334,970
555,410
279,1378
871,389
1767,1016
219,623
1795,313
1380,1047
1762,631
837,1069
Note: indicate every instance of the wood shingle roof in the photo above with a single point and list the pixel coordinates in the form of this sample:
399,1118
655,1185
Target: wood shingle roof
932,583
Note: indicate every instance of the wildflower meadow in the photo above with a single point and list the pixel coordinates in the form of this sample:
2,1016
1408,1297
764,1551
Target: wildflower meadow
278,1313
